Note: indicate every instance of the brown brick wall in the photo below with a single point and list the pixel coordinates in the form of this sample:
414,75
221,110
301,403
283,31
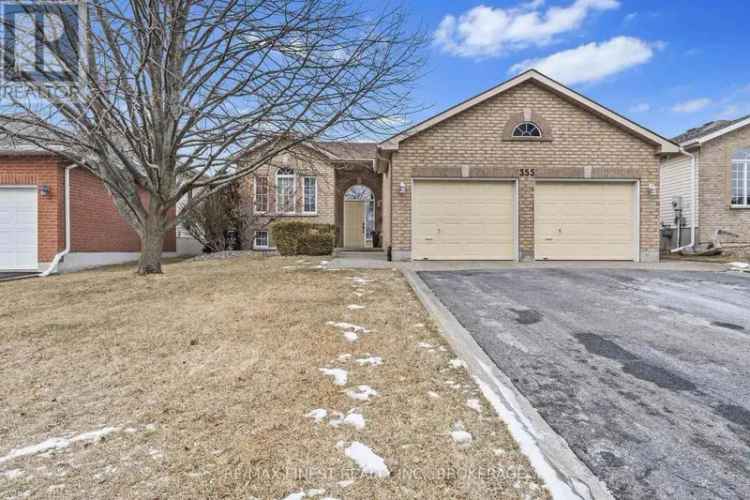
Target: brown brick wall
584,145
96,226
311,164
714,188
41,171
333,180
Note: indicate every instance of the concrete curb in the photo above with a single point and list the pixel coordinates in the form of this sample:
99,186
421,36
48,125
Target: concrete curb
564,474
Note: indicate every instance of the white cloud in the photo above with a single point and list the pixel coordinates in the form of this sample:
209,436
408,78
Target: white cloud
692,106
631,17
489,31
591,62
641,107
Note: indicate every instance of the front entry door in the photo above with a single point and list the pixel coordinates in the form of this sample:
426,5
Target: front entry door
354,224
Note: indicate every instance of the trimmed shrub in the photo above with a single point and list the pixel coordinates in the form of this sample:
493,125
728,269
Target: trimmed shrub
303,238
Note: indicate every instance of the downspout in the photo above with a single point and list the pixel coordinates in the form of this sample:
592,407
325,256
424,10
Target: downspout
693,202
56,261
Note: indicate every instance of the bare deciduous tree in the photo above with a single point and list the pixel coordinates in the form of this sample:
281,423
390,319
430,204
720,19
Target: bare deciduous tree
173,90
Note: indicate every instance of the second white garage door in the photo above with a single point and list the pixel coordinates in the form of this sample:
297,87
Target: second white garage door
463,220
584,221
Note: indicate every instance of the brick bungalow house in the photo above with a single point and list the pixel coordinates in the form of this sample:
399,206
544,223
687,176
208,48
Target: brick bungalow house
54,217
714,176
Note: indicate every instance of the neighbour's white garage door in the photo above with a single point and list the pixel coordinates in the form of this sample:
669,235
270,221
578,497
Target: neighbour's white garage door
463,220
584,221
18,228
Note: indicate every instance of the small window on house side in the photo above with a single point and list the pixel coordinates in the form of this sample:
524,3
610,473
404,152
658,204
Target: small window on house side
285,190
527,129
261,239
311,195
741,178
261,194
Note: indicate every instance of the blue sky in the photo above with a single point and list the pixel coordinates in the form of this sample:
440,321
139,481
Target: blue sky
668,65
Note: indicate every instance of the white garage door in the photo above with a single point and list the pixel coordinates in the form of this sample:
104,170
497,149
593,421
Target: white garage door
18,228
584,221
463,220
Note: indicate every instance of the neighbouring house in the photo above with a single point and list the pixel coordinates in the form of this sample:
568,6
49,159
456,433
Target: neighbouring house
706,188
320,182
527,170
55,217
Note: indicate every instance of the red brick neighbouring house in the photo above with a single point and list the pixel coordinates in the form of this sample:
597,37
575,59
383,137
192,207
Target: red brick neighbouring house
33,219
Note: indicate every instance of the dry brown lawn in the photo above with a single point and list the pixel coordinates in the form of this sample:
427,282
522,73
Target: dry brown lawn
199,381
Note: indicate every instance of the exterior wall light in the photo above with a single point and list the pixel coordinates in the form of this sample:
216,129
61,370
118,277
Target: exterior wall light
402,188
44,190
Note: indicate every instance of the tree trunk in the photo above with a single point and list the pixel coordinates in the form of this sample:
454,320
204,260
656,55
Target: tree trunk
152,243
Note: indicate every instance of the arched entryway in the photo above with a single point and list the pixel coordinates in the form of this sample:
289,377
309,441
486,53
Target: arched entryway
359,217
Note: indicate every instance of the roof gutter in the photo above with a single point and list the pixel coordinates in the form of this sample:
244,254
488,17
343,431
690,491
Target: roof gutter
56,261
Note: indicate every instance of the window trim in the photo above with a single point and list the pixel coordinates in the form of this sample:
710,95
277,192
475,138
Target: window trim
293,177
304,195
267,246
255,194
744,165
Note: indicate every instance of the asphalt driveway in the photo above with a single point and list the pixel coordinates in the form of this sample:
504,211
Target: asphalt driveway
646,374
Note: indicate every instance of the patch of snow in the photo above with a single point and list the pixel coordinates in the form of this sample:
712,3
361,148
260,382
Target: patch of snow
360,281
442,349
295,496
367,460
57,444
155,454
372,361
12,474
459,434
499,452
130,430
353,418
345,483
324,262
351,336
358,294
319,414
329,498
362,393
474,404
355,307
348,326
339,375
433,394
340,445
344,357
457,363
425,345
150,427
315,492
419,325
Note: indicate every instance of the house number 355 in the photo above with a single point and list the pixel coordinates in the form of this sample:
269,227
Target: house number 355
527,172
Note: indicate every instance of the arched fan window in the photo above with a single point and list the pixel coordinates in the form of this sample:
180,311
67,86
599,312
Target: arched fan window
527,129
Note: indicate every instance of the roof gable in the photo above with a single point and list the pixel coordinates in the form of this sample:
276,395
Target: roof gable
666,146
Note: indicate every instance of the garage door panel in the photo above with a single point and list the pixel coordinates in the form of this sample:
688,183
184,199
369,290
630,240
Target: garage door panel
463,220
18,228
584,221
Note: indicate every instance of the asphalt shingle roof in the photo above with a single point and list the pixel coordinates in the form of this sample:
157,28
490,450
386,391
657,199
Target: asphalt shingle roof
705,129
